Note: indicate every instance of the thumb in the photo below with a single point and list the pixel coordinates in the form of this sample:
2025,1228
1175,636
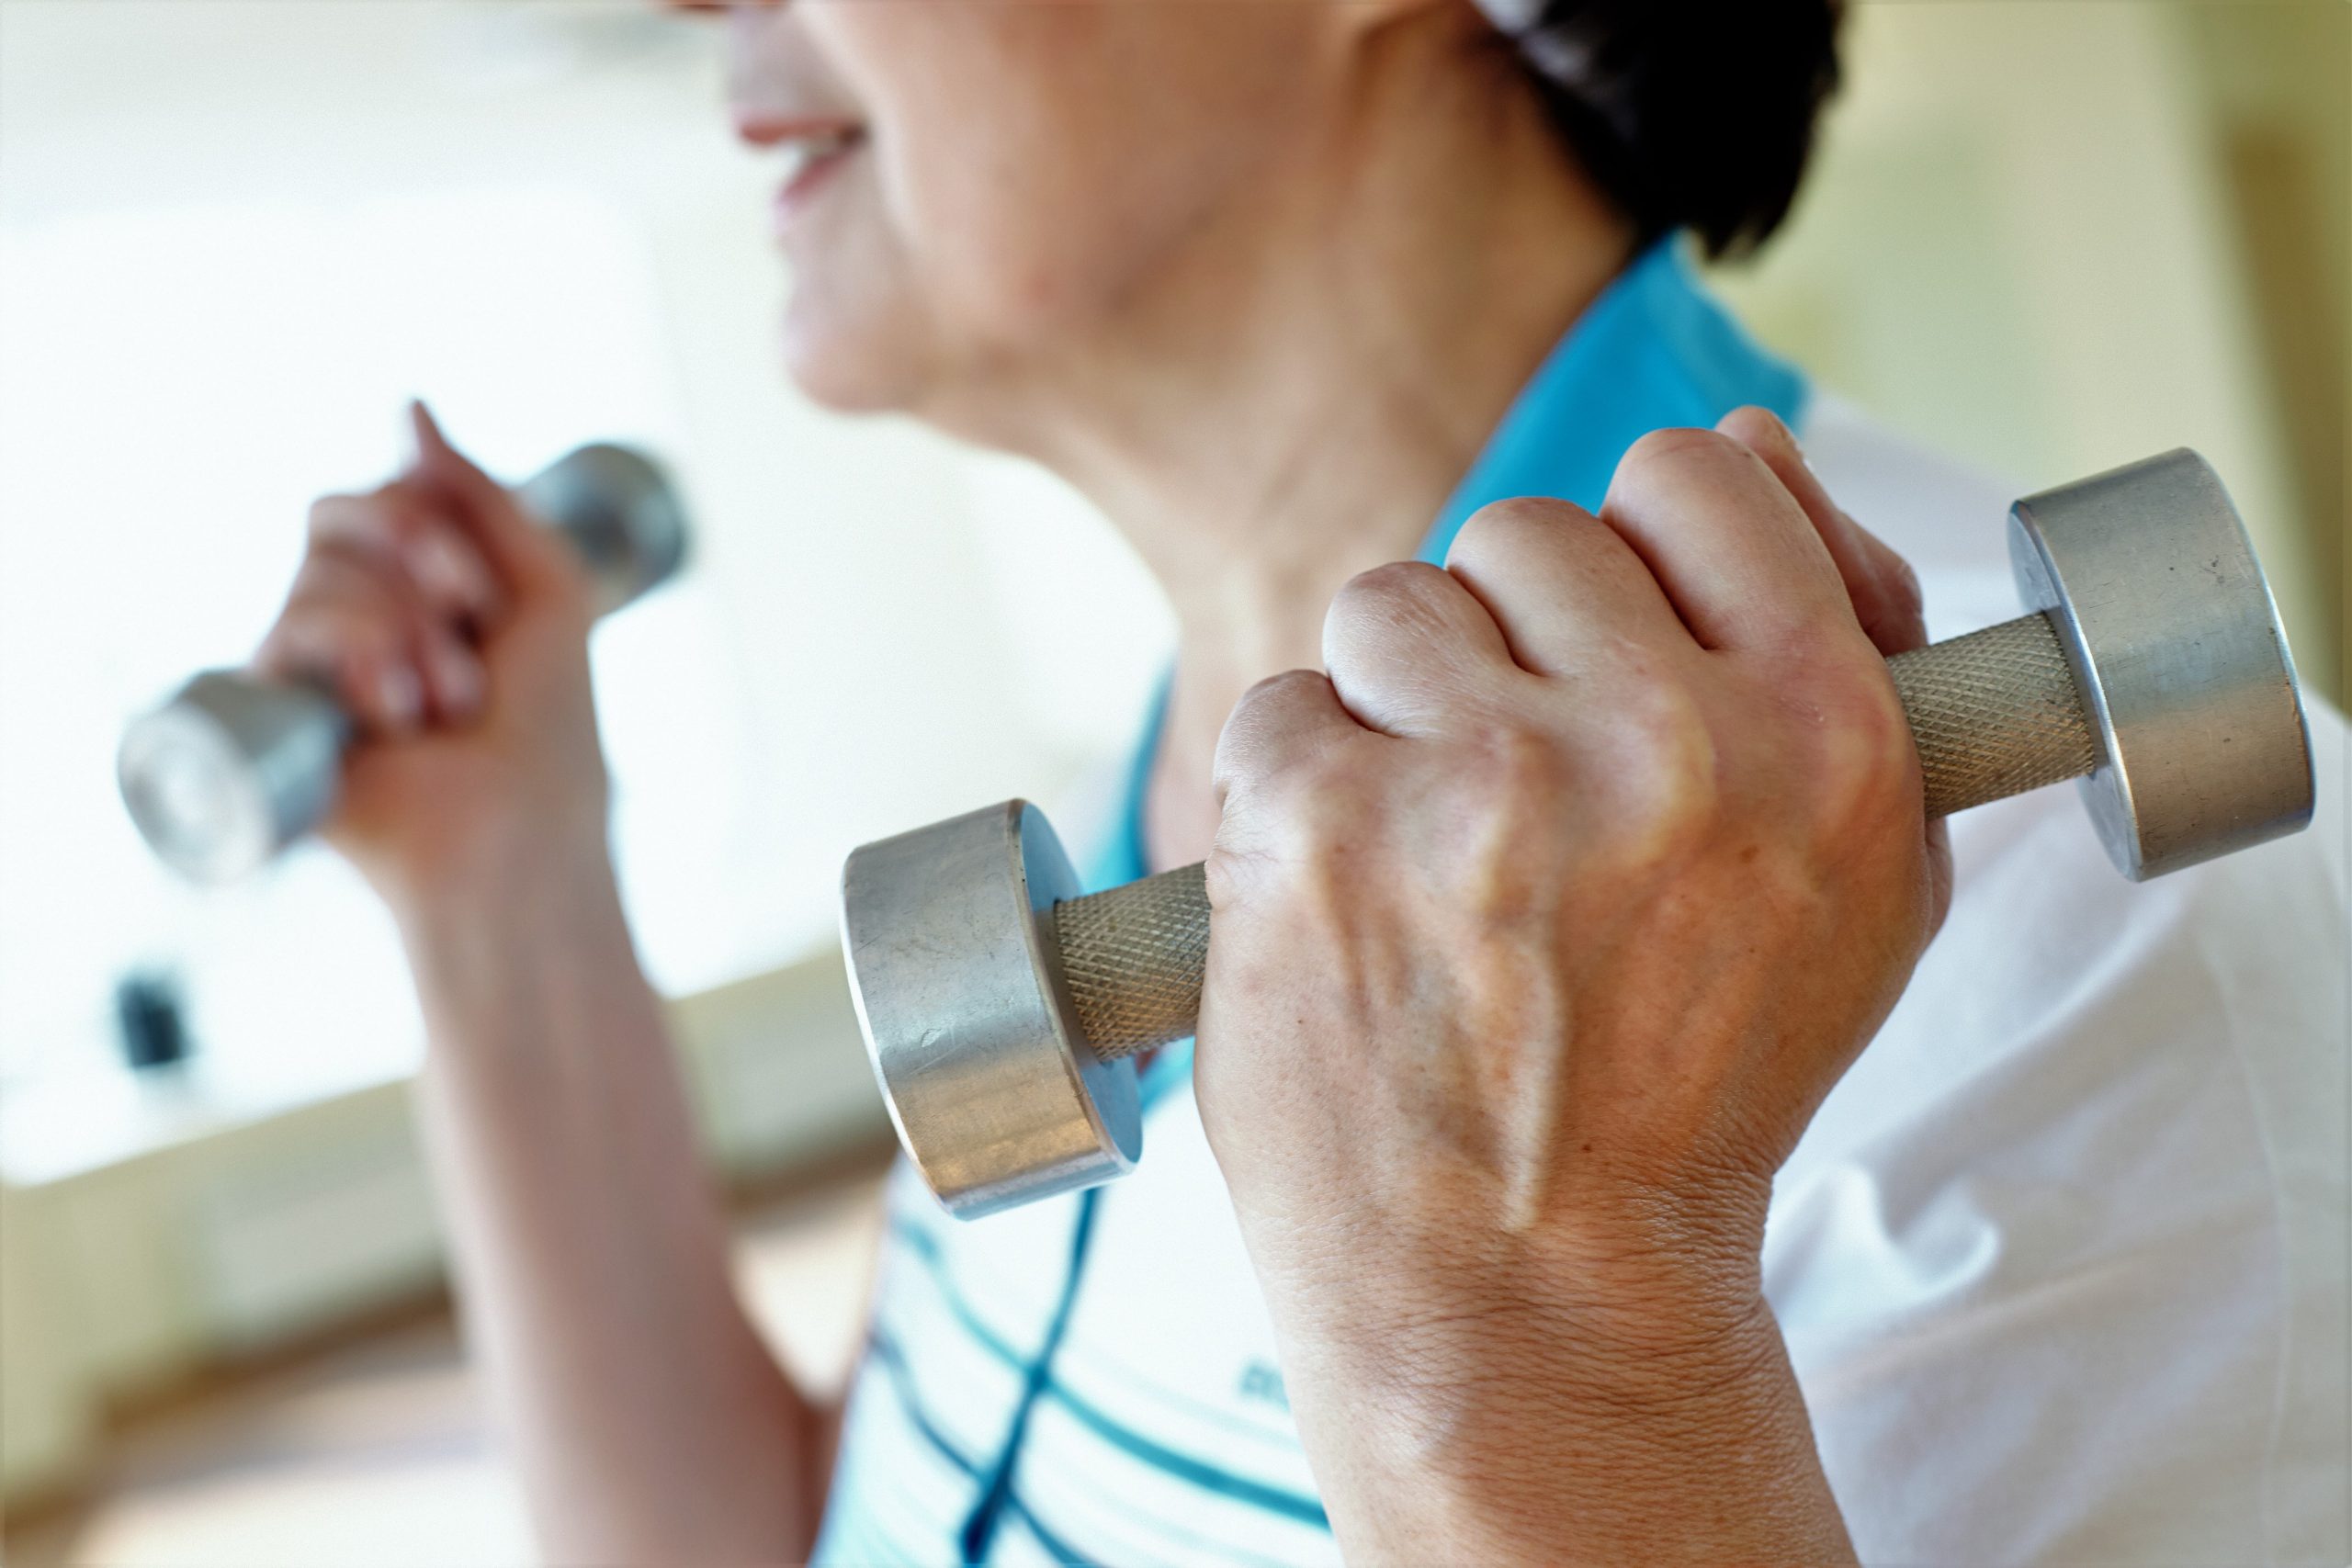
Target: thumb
528,554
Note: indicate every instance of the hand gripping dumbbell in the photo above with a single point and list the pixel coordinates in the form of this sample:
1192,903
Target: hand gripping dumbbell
1003,1013
237,766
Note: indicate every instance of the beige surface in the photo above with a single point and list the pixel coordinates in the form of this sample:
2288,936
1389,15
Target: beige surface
378,1453
156,1244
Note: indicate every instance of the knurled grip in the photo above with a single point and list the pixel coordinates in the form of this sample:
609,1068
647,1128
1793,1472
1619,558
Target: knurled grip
1994,714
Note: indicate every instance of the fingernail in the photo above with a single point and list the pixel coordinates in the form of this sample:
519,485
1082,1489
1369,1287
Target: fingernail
442,573
402,694
460,680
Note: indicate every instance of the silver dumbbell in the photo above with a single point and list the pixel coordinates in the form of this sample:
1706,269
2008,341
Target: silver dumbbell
235,767
1003,1011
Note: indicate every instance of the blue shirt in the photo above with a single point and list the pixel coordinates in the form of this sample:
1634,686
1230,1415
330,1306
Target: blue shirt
1091,1379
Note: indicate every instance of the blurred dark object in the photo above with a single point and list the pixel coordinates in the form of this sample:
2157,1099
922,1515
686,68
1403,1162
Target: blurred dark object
153,1028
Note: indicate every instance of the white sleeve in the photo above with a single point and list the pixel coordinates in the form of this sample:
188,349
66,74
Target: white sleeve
2062,1263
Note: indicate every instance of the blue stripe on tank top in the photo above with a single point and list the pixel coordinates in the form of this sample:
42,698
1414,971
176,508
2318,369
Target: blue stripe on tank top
886,1351
980,1530
925,1247
1184,1466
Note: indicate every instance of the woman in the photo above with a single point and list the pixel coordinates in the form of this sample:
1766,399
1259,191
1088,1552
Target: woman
1546,920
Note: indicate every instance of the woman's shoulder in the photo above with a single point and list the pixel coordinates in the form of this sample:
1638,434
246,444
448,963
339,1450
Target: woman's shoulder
1945,516
2078,1209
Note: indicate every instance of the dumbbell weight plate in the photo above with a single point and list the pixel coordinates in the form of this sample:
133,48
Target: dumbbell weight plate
948,935
229,770
2179,657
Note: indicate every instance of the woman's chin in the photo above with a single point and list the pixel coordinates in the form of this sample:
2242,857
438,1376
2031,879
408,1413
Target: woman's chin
847,366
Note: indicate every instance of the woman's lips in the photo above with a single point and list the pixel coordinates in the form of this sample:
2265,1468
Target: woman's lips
819,160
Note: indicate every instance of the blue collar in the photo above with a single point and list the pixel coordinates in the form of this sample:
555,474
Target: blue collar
1653,352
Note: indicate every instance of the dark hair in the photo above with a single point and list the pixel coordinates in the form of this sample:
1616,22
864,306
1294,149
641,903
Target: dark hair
1688,114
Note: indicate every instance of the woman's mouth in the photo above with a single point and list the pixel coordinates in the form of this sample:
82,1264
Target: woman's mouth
812,159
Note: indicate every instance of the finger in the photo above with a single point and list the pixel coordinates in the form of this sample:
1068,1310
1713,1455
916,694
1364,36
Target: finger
454,574
1280,723
348,590
456,682
1563,588
1412,653
344,629
1880,583
1737,556
1883,588
527,556
408,531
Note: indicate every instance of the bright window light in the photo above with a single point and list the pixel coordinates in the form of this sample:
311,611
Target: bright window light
175,386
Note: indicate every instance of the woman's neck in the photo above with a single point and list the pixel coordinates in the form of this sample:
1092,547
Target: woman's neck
1309,380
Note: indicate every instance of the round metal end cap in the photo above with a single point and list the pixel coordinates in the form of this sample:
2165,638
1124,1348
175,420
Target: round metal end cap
2177,651
194,796
219,778
967,1017
621,512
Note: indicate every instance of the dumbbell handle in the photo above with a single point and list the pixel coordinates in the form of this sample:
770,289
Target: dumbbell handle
1994,714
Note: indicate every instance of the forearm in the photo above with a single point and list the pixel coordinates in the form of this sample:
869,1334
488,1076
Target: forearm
1664,1426
650,1422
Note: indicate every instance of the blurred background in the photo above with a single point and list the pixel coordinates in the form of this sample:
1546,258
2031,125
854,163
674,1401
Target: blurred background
235,235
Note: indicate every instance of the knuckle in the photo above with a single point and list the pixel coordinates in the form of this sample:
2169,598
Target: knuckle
1403,600
1317,805
353,517
1862,762
1677,446
1508,788
1388,593
1753,424
333,642
1276,690
1290,844
1500,530
1243,750
1510,765
346,583
1309,798
1665,762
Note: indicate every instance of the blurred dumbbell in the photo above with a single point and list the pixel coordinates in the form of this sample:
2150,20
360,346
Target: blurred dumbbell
235,767
1003,1011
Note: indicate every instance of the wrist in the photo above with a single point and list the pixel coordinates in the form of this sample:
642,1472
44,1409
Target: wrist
496,905
1654,1333
495,872
1612,1334
1656,1419
1616,1267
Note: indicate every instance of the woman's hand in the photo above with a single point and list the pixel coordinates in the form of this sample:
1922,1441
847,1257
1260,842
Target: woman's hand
454,628
1541,927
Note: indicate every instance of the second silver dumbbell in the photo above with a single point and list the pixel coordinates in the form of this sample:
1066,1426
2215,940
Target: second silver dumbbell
235,766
